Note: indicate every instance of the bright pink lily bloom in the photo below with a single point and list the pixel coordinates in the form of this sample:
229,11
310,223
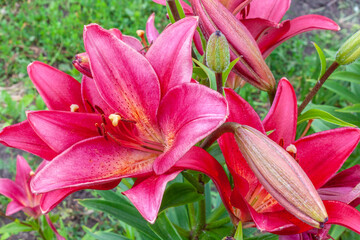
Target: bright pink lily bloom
137,117
22,197
262,19
320,155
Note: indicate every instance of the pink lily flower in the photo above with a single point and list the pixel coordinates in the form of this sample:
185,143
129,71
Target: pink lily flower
22,197
320,155
137,117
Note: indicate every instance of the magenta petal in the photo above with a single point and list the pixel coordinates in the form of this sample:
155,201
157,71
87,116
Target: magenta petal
119,77
187,114
291,28
173,63
22,171
58,236
22,136
60,129
91,162
272,10
146,195
13,207
58,90
198,159
343,187
133,42
151,31
12,190
92,98
322,154
282,117
50,200
342,214
257,26
198,43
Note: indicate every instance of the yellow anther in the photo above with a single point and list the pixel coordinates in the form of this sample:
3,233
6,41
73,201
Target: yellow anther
115,118
74,107
140,33
31,173
291,148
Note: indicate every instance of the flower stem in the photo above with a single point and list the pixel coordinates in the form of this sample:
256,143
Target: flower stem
201,219
199,187
191,211
14,219
218,223
317,86
307,128
40,231
227,127
173,9
219,83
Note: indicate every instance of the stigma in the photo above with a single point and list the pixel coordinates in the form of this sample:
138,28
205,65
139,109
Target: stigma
115,118
291,149
74,108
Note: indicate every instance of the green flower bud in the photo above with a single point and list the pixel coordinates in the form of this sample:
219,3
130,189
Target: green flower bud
350,50
217,52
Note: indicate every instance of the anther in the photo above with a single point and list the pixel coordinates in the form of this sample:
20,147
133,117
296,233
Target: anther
89,104
291,149
74,108
98,129
115,118
141,34
31,173
99,109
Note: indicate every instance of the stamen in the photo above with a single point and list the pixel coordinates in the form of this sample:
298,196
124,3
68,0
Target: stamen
141,34
104,131
291,149
99,109
103,119
89,104
98,129
74,108
31,173
115,118
281,142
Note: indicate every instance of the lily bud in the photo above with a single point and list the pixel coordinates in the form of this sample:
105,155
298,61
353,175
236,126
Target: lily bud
281,176
350,50
82,64
251,66
217,52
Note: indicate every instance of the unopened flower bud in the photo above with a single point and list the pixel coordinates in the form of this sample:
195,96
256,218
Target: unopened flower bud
350,50
281,176
82,64
217,52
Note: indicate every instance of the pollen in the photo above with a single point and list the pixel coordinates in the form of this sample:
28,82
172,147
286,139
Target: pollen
74,108
31,173
291,149
115,118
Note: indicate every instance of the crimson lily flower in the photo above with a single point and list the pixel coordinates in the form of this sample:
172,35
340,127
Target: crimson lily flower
22,198
137,118
320,155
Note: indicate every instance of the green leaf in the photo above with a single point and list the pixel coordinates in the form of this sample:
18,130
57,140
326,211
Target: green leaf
104,235
320,114
15,228
226,73
354,108
112,196
209,73
322,60
122,212
179,194
264,237
346,76
164,228
199,72
336,231
180,9
171,17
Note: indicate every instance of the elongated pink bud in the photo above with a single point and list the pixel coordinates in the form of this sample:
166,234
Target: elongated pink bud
81,63
281,176
251,66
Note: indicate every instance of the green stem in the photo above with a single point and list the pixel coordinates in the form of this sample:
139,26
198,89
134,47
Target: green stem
199,187
217,213
317,86
173,9
126,183
40,231
225,128
201,219
218,223
191,211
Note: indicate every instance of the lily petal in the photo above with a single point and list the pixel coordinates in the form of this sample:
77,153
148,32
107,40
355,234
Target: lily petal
22,171
12,190
282,116
184,123
146,195
13,207
91,162
273,10
257,26
60,130
291,28
133,42
120,73
342,214
322,154
151,31
173,64
58,90
22,136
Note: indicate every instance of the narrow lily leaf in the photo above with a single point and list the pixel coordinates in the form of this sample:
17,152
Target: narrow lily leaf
336,231
199,72
105,235
171,17
14,228
226,73
180,9
122,212
112,196
322,60
351,109
209,73
346,76
164,228
179,194
320,114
